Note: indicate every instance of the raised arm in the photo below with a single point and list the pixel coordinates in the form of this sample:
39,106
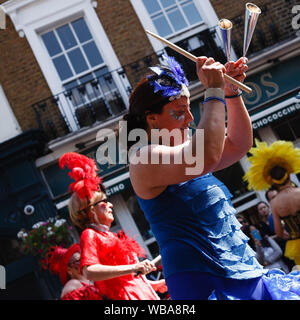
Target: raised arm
239,129
145,177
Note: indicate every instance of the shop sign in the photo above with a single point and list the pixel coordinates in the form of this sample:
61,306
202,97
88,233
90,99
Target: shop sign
272,83
118,187
277,115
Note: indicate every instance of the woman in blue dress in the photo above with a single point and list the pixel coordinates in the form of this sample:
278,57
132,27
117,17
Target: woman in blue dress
204,253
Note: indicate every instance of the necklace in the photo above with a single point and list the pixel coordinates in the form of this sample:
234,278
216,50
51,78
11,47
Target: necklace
99,227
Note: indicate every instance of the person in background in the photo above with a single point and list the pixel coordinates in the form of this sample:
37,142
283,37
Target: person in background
272,166
271,194
268,252
110,260
66,263
265,224
286,207
245,227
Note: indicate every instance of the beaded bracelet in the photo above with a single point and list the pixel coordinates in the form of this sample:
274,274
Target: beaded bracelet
234,96
214,98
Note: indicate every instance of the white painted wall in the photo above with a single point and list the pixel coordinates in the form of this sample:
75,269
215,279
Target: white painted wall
9,126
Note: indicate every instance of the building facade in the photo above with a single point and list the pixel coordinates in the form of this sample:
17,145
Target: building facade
66,71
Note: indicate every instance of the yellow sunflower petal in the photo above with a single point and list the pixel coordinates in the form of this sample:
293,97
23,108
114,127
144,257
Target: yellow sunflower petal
265,157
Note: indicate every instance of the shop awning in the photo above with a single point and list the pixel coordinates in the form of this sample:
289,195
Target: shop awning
278,112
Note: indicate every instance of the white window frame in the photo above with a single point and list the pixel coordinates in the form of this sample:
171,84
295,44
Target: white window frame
64,52
77,75
33,17
207,13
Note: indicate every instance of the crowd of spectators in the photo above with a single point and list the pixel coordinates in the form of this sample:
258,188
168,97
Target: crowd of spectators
268,246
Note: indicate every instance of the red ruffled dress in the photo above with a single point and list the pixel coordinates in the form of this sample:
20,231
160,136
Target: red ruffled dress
109,248
86,292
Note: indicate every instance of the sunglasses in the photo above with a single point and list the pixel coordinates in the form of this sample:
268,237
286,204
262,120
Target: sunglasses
94,204
75,262
103,200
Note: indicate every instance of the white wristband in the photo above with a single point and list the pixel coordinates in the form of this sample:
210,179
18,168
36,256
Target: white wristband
214,92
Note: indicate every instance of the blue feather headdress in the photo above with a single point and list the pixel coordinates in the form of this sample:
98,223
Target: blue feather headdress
170,79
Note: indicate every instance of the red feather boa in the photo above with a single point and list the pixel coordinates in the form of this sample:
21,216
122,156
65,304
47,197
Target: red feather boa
120,249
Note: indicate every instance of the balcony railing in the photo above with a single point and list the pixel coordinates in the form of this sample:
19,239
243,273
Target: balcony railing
104,98
91,102
82,106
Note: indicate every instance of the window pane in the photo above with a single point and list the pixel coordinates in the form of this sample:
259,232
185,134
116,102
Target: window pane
77,60
177,20
151,6
91,92
86,78
162,26
62,67
167,3
105,80
51,43
284,132
92,54
192,13
195,43
82,30
101,72
66,36
71,85
295,126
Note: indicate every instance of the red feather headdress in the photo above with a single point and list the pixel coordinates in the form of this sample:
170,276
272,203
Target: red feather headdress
83,171
57,259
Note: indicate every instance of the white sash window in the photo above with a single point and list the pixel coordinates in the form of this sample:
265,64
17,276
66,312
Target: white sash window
170,16
72,50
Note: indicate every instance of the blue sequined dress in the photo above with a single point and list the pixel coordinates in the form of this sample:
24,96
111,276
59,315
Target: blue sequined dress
200,240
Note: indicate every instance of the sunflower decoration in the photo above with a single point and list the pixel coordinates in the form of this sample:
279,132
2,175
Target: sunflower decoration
264,158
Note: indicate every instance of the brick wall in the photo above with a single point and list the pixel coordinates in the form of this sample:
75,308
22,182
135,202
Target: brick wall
124,30
126,34
20,76
24,83
279,9
274,24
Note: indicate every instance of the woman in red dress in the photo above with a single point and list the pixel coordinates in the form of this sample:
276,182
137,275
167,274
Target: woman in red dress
109,259
66,263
